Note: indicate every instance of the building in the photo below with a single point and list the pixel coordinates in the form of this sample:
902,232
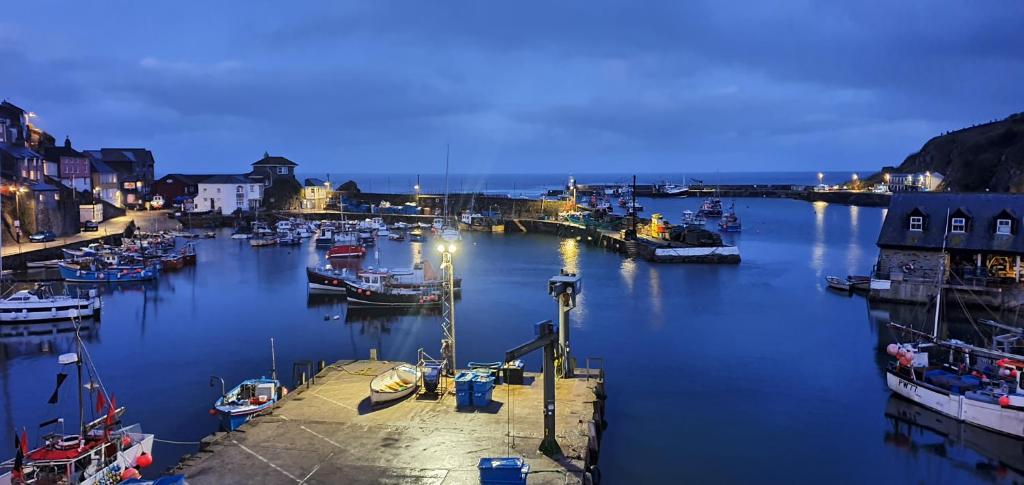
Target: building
73,167
105,183
21,164
315,194
972,243
177,188
270,168
229,193
913,182
135,171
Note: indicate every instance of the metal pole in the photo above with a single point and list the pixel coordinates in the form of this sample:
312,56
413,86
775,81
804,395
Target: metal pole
451,300
549,446
563,334
273,360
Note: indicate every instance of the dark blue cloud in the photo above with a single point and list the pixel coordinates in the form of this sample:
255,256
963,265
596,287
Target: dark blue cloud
524,86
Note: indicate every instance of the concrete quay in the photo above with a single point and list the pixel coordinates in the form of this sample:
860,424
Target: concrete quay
329,433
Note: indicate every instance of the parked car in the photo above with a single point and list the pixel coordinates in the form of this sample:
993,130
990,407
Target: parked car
90,226
43,236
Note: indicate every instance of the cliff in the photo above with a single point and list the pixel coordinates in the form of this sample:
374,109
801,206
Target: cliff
983,157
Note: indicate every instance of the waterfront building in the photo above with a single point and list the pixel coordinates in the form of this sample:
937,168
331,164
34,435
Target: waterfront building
315,193
72,167
134,167
914,182
229,193
271,168
177,188
969,242
105,183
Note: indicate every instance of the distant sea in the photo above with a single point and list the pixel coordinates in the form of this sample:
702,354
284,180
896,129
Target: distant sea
534,184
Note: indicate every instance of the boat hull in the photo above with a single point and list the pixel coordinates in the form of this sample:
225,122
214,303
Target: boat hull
397,299
324,282
405,377
106,276
988,415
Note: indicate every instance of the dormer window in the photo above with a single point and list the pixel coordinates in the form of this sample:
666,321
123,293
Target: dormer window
959,224
1004,226
282,170
917,223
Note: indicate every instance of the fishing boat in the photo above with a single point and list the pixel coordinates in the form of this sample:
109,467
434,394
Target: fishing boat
289,240
101,452
378,288
344,251
42,304
474,221
396,236
86,273
249,398
667,189
172,262
327,278
394,384
240,235
416,235
730,221
261,240
325,238
711,207
437,224
691,219
451,234
837,283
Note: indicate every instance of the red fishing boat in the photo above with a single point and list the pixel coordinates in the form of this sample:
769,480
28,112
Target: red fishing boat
345,251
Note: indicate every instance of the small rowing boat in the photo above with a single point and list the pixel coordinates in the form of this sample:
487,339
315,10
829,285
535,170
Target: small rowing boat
394,384
837,283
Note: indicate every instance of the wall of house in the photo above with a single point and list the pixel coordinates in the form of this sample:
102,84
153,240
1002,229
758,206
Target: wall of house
903,264
224,197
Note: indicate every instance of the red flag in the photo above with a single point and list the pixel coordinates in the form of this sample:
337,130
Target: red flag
111,411
101,401
24,441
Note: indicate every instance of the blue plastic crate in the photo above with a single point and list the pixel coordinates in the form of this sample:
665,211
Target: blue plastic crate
463,399
482,399
503,470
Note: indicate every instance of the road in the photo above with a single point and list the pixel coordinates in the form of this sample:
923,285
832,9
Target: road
144,220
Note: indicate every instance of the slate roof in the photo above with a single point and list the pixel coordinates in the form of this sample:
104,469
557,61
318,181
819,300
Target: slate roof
981,210
100,167
18,151
53,154
315,182
122,155
274,161
226,179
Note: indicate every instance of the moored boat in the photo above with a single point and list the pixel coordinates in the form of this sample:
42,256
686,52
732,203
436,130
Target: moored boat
249,398
42,304
344,251
91,273
394,384
416,235
260,241
378,288
837,283
327,278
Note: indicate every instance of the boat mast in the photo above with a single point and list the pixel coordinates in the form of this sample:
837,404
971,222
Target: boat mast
942,266
273,360
81,398
447,154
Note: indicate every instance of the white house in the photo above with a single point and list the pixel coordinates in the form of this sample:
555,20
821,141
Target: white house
228,193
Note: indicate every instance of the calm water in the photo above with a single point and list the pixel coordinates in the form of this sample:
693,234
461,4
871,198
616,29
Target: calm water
745,373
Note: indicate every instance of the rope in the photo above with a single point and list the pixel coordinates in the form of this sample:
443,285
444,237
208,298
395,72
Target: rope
177,442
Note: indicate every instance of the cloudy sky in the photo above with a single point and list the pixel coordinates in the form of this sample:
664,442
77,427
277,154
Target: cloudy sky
583,86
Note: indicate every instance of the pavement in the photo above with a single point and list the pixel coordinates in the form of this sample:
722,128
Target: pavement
144,220
329,433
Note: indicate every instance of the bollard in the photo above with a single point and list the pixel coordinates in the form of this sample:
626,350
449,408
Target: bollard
320,366
373,354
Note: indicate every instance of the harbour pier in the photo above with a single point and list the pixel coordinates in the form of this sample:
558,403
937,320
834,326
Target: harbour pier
326,431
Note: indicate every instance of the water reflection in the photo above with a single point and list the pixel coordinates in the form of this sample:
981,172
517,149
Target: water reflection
926,434
853,254
627,269
818,247
569,250
656,301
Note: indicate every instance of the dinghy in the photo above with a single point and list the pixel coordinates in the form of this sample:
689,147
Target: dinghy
394,384
838,283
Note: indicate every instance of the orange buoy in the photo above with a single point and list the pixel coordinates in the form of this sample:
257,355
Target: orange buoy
1004,401
144,460
130,473
126,441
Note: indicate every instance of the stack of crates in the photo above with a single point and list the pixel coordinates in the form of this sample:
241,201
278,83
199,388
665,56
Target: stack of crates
464,389
509,470
483,387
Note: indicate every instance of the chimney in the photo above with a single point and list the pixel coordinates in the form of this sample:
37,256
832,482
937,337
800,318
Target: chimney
67,142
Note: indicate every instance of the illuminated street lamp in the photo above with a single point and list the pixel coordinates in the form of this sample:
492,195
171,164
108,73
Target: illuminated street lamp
821,178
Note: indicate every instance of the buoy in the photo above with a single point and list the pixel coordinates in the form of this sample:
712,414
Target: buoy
892,349
213,412
1004,401
126,441
144,460
130,473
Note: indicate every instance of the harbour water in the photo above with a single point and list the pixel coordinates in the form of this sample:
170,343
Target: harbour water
747,373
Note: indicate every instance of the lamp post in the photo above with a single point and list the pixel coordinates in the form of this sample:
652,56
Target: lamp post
821,178
856,181
448,306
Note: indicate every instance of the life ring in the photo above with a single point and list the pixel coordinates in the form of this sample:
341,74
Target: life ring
908,268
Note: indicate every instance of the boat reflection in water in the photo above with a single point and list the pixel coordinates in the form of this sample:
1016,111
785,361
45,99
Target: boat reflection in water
44,338
993,456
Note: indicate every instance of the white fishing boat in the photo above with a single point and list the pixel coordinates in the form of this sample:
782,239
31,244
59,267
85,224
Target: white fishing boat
41,304
394,384
451,234
837,283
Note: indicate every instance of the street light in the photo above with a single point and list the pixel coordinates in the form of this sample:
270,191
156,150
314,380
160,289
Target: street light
821,178
448,306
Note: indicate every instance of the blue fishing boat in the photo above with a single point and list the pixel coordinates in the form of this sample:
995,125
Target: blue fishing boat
251,397
113,274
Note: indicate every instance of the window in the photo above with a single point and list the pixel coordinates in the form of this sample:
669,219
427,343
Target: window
218,190
1003,226
239,189
917,223
282,170
959,224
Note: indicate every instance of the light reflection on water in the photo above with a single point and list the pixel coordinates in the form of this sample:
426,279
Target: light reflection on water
627,270
818,246
853,255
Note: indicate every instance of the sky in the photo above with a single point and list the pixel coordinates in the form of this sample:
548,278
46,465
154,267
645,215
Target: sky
514,87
